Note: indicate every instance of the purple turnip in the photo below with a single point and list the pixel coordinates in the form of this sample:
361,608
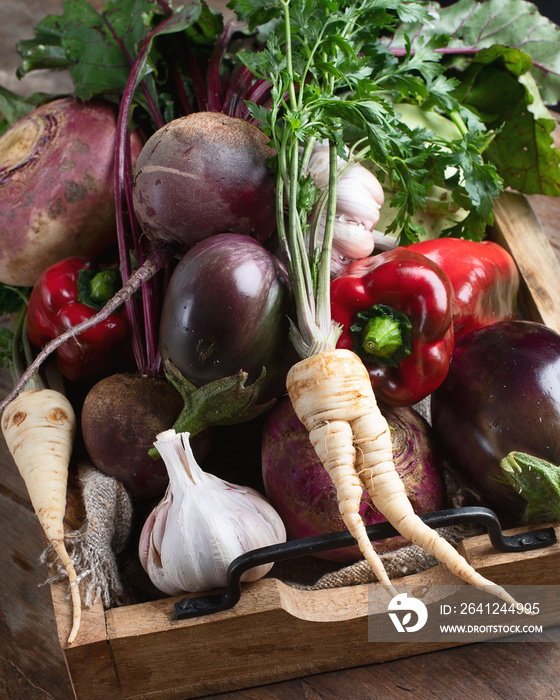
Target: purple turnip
204,174
57,195
302,492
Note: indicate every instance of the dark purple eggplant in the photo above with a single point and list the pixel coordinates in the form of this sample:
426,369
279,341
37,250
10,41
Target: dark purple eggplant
226,311
502,394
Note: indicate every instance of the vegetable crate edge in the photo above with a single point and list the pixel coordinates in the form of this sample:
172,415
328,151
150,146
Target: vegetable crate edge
276,632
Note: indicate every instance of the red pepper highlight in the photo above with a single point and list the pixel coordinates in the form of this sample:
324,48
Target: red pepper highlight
60,300
396,311
484,277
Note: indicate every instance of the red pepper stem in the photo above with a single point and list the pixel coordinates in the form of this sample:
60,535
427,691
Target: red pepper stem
381,335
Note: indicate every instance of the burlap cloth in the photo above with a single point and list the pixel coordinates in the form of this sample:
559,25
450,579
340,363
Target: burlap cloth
103,534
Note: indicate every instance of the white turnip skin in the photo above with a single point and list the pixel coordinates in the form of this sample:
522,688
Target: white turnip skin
57,195
204,174
302,492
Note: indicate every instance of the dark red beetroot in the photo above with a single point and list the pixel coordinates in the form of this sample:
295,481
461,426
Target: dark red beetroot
121,417
300,489
57,195
502,393
204,174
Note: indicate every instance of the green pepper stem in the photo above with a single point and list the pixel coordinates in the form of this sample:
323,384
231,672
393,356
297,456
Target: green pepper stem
381,335
104,285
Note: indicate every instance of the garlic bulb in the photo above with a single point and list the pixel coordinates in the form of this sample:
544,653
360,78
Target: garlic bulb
202,524
359,200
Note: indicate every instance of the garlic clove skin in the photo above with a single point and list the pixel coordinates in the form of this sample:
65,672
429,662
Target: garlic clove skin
360,198
202,524
319,164
351,239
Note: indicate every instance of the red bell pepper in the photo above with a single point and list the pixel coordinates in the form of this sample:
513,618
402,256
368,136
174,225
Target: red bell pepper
396,312
66,294
484,277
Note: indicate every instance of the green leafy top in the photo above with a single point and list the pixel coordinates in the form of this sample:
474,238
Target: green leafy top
347,78
330,73
472,25
506,59
98,49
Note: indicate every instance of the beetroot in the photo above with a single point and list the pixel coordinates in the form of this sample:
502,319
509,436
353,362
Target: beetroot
121,417
301,491
204,174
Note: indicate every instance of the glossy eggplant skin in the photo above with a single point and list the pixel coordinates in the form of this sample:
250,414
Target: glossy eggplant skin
226,310
502,393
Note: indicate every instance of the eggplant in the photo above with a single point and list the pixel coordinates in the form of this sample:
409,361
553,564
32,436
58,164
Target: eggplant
226,311
501,394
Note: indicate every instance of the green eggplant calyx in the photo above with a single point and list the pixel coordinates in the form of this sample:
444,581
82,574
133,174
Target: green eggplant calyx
535,480
225,401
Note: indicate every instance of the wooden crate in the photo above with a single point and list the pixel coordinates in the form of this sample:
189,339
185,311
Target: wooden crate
277,632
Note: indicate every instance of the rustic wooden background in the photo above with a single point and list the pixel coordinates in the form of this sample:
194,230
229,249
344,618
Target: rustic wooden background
31,663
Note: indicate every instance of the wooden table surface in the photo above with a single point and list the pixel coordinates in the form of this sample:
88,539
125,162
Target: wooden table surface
31,662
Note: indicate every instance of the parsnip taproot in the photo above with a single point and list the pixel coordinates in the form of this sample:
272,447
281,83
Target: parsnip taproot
39,427
332,395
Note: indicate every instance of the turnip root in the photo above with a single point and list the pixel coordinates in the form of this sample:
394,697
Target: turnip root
204,174
121,417
39,428
56,186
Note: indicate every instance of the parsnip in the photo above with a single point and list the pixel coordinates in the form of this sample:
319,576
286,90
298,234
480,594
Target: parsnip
39,427
332,395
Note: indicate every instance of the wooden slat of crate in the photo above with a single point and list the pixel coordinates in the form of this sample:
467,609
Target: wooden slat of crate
518,231
278,632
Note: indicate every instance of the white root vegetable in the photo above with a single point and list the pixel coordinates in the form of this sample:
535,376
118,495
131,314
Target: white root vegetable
39,427
332,395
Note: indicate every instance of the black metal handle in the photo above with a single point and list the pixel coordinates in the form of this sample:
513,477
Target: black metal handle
472,515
